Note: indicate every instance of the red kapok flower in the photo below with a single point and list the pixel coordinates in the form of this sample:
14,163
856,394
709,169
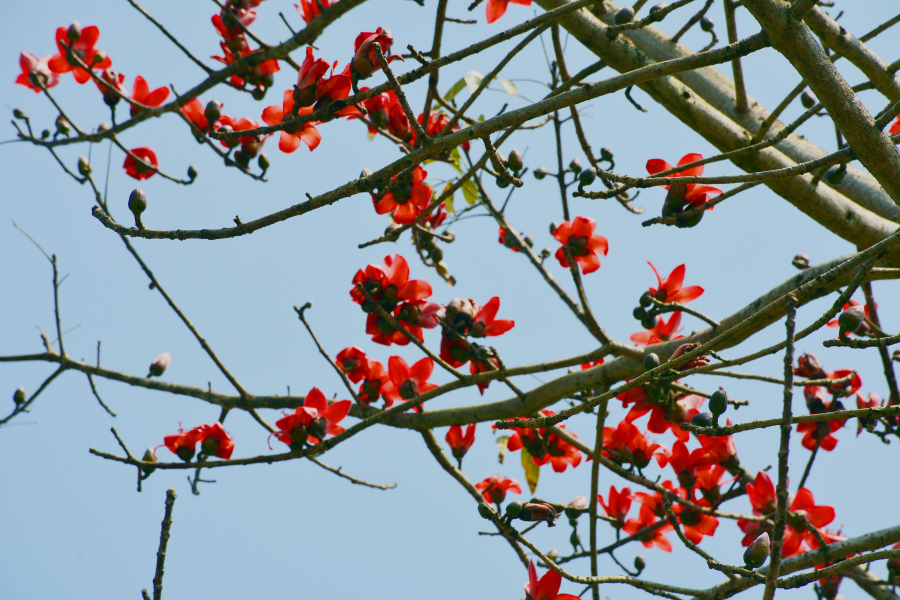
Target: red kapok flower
545,447
36,72
625,443
694,524
406,198
389,283
215,441
311,73
352,361
808,366
583,244
686,464
254,75
408,382
709,480
250,144
483,366
293,135
721,449
662,418
871,403
496,487
364,60
662,332
895,128
459,443
864,327
649,539
141,93
437,121
486,324
115,81
83,48
671,290
195,111
140,170
547,587
311,422
497,8
310,9
761,494
589,365
376,378
796,533
508,240
412,316
228,25
618,506
183,443
693,191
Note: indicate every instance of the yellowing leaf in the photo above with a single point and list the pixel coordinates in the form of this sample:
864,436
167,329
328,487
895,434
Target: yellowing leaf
532,471
473,80
448,203
470,191
457,88
501,444
508,86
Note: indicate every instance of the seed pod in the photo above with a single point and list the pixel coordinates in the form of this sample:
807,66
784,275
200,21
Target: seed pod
18,113
263,161
703,419
45,134
137,201
757,552
651,361
502,183
485,511
718,402
74,33
606,154
19,396
639,313
575,166
515,160
801,261
646,299
706,24
851,319
192,172
587,177
650,322
213,112
540,173
84,167
626,15
160,364
514,509
807,99
639,563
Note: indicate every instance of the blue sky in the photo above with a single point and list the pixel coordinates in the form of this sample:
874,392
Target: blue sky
74,524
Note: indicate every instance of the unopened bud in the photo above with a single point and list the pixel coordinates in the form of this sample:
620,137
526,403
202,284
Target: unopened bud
62,125
639,563
19,396
192,172
545,253
540,173
852,319
896,356
675,197
529,241
835,175
148,457
137,201
365,173
437,253
575,166
650,322
84,167
268,80
801,261
18,113
74,33
645,300
658,7
485,511
703,419
807,99
104,127
655,393
626,15
392,229
606,154
553,227
718,402
160,364
501,158
515,160
757,552
639,313
213,111
45,134
587,177
651,361
706,24
514,509
502,182
99,56
263,161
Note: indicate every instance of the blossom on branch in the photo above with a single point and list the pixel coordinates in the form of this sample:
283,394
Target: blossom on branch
36,72
388,284
663,331
650,539
408,382
365,62
495,488
292,135
84,49
141,93
497,8
618,505
310,9
459,443
406,197
375,380
140,169
671,289
581,241
626,444
547,587
310,423
545,447
352,361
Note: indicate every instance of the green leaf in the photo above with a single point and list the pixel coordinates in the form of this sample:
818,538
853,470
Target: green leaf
448,203
457,88
455,160
501,444
532,471
473,80
470,191
508,86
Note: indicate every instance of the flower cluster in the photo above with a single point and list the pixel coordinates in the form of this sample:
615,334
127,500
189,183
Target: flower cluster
684,196
213,440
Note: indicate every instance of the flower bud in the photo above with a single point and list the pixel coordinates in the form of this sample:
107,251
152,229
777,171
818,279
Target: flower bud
437,253
646,299
485,510
553,227
606,154
575,166
545,253
718,402
657,7
650,322
639,313
365,173
529,241
502,183
514,509
84,167
896,356
19,396
757,552
626,15
159,365
655,393
137,201
515,161
148,457
639,563
706,24
74,33
45,134
185,453
18,113
651,361
104,127
62,125
268,80
801,261
807,99
575,539
587,177
501,158
835,175
192,172
540,173
851,319
675,198
258,93
263,162
703,419
213,112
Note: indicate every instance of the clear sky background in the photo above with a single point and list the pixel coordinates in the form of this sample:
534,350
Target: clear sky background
72,524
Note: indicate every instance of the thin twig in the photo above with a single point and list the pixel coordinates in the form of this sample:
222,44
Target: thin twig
340,473
300,313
